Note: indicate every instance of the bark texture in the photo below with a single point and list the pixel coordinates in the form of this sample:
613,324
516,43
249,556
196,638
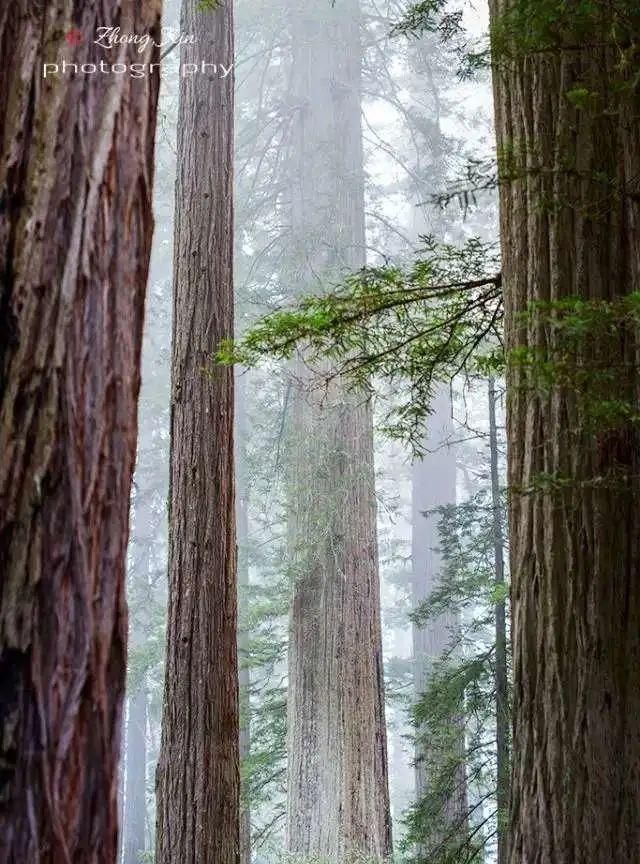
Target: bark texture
338,801
198,775
76,160
570,224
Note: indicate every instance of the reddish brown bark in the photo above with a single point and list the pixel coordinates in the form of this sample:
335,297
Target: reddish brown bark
76,157
570,215
198,773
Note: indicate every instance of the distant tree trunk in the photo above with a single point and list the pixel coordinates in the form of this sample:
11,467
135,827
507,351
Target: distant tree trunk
245,700
338,799
76,166
198,773
501,673
242,521
136,779
433,485
570,217
121,779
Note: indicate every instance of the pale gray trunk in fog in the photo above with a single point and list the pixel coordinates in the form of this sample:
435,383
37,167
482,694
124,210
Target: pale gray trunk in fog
433,485
242,532
136,779
501,672
338,800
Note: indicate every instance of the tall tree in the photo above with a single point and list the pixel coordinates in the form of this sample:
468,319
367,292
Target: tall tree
76,168
198,773
338,800
434,486
244,648
568,129
503,713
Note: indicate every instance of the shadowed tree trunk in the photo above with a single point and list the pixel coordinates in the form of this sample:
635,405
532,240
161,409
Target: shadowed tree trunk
338,800
136,779
570,217
198,775
76,166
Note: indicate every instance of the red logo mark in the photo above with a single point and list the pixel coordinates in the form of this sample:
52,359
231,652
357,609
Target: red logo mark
74,37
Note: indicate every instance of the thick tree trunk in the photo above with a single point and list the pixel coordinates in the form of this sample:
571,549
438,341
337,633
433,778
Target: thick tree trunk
433,485
501,671
135,813
338,800
198,776
570,224
76,165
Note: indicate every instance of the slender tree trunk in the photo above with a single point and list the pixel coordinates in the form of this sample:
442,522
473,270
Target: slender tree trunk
76,165
501,674
198,775
245,690
136,779
570,217
338,800
242,520
433,485
121,779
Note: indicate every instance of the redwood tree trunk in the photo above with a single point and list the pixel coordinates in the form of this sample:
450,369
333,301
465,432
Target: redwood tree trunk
76,165
570,224
198,775
338,800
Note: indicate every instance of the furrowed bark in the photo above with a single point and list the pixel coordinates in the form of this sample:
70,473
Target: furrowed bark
338,800
198,773
76,165
570,217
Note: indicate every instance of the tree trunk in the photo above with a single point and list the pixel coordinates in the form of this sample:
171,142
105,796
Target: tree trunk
338,800
198,774
242,521
501,673
76,166
136,779
570,219
434,485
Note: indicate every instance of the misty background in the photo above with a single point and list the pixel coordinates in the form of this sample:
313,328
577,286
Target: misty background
406,133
